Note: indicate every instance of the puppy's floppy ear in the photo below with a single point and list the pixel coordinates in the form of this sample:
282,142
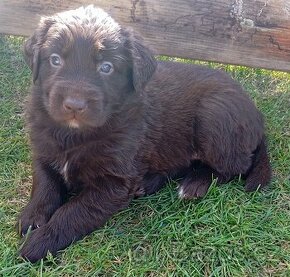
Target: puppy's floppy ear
33,44
143,61
31,55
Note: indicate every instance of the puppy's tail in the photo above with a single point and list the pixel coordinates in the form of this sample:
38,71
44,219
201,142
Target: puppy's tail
260,172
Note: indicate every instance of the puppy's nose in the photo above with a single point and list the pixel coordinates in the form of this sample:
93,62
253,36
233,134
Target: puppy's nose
76,105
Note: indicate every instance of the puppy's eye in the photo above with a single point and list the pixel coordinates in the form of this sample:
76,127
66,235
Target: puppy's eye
55,60
106,68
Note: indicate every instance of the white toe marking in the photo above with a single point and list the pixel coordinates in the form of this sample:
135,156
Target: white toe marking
181,193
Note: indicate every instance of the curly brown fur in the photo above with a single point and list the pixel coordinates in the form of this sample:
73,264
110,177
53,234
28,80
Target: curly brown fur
108,122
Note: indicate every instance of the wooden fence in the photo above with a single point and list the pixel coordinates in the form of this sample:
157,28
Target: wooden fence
247,32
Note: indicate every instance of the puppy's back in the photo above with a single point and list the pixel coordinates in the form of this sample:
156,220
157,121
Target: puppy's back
203,107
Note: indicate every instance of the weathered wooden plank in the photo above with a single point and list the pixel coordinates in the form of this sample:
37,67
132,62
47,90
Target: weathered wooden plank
247,32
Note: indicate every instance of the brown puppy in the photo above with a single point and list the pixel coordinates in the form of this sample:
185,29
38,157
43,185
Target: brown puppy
108,123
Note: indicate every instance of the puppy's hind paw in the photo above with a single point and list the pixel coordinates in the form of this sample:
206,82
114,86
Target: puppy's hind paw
189,189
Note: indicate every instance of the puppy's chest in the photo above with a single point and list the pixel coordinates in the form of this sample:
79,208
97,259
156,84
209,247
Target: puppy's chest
83,166
68,170
75,168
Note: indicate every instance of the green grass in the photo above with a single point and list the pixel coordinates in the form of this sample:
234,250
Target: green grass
228,233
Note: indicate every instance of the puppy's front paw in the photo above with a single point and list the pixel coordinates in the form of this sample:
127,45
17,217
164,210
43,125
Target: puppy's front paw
31,216
38,244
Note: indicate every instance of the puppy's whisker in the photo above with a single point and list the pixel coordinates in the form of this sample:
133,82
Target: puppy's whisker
110,49
122,58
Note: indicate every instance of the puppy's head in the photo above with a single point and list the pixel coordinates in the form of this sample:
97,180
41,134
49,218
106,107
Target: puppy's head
86,66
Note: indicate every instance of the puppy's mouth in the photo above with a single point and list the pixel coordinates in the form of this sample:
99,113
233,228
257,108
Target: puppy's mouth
78,122
73,123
